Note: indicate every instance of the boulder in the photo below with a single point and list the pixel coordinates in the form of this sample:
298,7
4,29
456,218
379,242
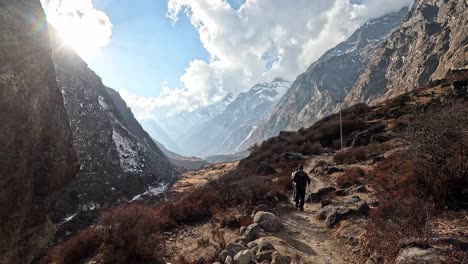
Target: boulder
251,233
228,260
363,138
231,250
244,257
261,207
290,156
252,244
280,259
264,169
316,197
413,255
268,221
265,246
266,256
332,214
332,169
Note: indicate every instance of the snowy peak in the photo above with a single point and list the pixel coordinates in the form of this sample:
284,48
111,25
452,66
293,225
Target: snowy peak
224,132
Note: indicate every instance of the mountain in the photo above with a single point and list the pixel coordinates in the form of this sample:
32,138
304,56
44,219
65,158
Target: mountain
180,125
188,163
37,158
314,93
431,42
119,161
226,131
156,131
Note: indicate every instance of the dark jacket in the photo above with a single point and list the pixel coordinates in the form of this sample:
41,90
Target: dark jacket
301,178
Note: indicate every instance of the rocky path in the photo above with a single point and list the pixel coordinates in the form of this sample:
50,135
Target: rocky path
307,239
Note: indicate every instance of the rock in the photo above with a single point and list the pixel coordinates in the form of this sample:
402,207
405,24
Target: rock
265,246
244,257
37,156
317,196
280,259
362,208
325,202
252,244
233,248
223,256
242,230
265,256
363,138
331,219
332,214
268,221
264,169
228,260
290,156
414,255
251,233
217,262
332,169
261,207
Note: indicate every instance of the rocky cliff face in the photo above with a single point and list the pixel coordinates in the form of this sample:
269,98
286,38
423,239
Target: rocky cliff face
36,151
226,131
314,93
430,42
119,160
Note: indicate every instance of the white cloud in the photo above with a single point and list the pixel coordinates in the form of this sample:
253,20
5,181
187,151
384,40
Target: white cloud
261,40
80,25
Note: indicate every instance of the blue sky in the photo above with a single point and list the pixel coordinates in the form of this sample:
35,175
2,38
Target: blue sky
146,49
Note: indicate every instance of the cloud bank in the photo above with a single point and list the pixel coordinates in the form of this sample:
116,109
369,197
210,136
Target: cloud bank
80,25
261,40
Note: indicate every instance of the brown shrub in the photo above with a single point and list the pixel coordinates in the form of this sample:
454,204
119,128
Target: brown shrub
350,156
131,235
77,248
350,177
359,154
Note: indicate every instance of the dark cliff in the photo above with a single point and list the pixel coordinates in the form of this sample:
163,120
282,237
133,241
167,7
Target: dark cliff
118,160
36,151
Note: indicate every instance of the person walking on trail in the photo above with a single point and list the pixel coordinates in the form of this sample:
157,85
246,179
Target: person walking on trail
300,179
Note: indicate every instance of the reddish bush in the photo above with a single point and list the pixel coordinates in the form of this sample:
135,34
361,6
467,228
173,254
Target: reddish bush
350,177
350,156
131,235
76,249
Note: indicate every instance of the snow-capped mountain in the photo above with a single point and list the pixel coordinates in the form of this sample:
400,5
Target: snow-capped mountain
118,159
182,124
226,131
314,93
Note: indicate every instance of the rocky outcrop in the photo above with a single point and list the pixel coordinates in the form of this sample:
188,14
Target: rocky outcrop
430,43
314,93
119,160
37,158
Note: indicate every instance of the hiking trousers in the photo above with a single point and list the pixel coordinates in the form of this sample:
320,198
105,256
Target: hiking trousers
300,197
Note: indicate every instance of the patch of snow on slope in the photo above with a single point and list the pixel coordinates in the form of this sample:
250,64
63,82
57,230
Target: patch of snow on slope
151,191
102,104
127,156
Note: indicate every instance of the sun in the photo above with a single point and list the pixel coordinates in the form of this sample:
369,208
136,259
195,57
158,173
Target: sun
80,26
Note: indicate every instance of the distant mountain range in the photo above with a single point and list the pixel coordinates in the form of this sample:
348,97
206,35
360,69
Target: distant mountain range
223,133
314,93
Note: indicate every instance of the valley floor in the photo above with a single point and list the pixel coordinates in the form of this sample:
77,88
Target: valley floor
305,238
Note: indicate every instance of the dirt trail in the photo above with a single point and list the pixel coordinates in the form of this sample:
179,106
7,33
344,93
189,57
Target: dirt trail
307,238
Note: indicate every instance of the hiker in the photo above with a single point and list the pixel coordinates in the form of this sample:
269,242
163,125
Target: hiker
300,179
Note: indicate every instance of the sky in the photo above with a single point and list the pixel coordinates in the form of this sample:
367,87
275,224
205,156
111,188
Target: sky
166,56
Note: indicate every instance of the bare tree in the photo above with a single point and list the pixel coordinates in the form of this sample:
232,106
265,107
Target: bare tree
437,147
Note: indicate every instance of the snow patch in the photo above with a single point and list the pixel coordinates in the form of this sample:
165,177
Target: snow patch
102,103
127,156
151,191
